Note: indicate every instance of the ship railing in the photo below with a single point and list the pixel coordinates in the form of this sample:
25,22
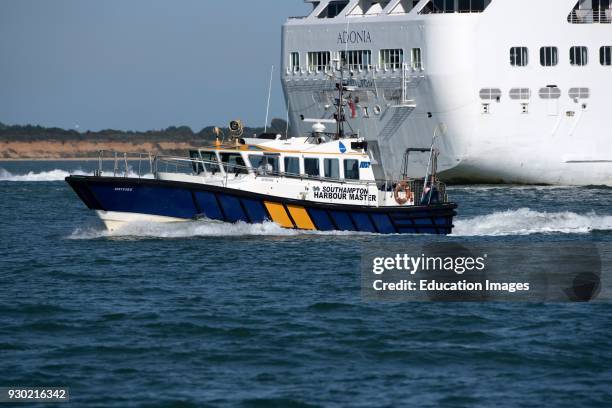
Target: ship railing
197,166
416,188
590,16
125,164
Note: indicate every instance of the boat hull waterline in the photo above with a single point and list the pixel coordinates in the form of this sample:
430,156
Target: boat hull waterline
119,200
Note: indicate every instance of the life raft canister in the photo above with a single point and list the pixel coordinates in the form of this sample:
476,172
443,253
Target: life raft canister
402,193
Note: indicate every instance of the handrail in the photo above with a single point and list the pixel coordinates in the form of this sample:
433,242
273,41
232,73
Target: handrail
590,16
259,173
417,185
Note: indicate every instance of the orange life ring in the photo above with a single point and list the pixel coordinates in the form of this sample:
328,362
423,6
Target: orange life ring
402,193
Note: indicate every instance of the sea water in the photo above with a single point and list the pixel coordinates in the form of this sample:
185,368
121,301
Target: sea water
210,314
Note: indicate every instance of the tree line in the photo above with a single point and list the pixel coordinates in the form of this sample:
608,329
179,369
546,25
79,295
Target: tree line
33,133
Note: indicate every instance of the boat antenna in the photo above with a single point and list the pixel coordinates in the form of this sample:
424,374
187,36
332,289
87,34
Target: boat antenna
269,95
440,127
287,121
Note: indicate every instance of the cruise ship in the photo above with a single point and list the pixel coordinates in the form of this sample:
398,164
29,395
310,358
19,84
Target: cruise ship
515,91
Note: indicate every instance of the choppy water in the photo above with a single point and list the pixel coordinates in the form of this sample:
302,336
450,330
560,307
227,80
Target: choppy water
209,314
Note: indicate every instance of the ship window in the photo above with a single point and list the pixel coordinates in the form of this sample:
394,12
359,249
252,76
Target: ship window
550,92
417,60
264,164
210,162
519,56
490,94
590,11
356,60
311,167
452,6
332,168
333,9
233,163
292,165
579,93
318,61
520,93
294,61
351,169
579,56
197,166
391,59
605,55
549,56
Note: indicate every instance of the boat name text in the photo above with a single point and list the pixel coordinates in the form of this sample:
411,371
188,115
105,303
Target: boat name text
354,37
344,193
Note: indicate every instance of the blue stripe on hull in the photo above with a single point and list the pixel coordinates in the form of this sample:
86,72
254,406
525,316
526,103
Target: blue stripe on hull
209,206
255,209
232,208
383,223
321,219
362,222
185,203
342,220
167,202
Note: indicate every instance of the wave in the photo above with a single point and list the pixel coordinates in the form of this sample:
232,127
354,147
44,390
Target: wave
525,221
201,228
54,175
519,222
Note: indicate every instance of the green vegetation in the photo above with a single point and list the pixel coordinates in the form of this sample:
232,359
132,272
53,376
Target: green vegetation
30,133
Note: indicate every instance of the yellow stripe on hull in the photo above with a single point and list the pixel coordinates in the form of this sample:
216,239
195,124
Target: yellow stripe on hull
301,217
279,215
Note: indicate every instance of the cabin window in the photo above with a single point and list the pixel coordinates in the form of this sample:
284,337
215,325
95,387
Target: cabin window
333,9
311,167
332,168
455,6
590,12
520,93
292,165
550,92
417,60
519,56
549,56
579,56
264,164
233,163
197,165
210,162
318,61
391,59
605,55
579,93
490,94
356,60
294,61
351,169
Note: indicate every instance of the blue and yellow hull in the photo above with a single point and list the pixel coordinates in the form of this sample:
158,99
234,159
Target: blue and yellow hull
180,200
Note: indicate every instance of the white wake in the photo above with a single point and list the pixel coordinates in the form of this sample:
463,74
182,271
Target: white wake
55,175
202,228
527,222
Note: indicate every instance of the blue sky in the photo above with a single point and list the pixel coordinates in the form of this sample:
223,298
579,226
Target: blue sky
140,64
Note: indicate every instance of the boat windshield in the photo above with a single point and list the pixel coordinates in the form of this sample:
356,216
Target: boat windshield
233,163
210,162
264,164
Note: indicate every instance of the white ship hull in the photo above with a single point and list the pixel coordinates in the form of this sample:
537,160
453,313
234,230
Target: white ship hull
565,140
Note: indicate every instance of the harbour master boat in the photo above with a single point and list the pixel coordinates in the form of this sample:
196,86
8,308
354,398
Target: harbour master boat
322,181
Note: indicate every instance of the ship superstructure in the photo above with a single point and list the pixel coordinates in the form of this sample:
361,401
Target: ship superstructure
517,90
